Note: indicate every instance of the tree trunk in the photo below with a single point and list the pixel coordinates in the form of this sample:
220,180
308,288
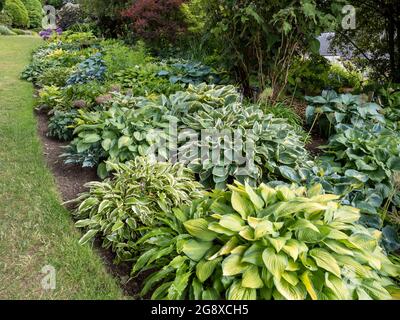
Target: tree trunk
244,79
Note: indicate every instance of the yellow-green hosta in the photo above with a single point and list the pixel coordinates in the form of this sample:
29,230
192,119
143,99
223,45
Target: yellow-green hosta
275,243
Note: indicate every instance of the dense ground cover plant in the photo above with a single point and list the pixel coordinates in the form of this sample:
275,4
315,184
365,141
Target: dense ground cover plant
267,243
140,193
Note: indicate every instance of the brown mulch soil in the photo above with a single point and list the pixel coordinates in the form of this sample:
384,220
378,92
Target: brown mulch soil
70,181
314,145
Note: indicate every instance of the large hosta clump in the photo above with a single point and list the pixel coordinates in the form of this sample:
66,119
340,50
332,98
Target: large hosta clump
267,243
119,209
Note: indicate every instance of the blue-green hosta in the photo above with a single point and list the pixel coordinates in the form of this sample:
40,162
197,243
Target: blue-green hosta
120,209
267,243
331,109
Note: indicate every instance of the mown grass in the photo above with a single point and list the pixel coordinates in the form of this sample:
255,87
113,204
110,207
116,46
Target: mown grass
35,230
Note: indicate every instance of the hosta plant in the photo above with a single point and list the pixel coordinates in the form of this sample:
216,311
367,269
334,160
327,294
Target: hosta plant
61,125
91,69
331,109
268,243
119,209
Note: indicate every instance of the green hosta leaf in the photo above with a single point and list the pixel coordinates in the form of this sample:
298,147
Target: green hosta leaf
337,286
117,226
290,292
232,265
198,228
268,194
304,224
293,248
237,292
275,262
196,250
254,197
291,277
124,141
251,278
290,174
253,255
277,243
232,222
88,236
242,205
216,227
394,163
315,190
306,279
357,175
91,138
205,269
226,249
326,261
338,247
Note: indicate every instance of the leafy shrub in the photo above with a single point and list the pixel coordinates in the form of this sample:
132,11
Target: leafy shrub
87,92
309,75
267,243
156,21
140,191
5,19
88,158
69,15
34,8
91,69
60,125
56,76
119,57
79,39
18,13
5,31
331,109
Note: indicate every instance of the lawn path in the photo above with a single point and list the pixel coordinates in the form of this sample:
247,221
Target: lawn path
35,230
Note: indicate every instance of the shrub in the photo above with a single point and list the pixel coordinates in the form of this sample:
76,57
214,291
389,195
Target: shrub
69,15
50,97
34,8
18,13
5,19
119,57
36,68
120,209
266,243
157,21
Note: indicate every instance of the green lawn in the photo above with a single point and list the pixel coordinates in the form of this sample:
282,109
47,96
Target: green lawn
35,230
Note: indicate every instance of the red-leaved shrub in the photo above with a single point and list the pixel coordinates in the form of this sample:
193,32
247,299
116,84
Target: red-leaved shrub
156,20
